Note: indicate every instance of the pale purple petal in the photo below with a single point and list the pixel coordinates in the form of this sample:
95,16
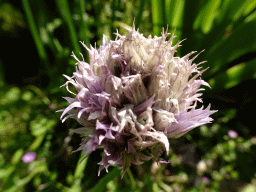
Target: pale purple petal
206,179
29,157
233,134
190,120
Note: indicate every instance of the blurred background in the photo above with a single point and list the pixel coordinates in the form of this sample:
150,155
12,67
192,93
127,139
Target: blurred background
37,39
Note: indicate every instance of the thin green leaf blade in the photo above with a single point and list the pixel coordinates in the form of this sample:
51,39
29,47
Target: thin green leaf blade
174,13
205,18
34,31
109,177
240,42
234,76
239,9
158,15
139,14
63,6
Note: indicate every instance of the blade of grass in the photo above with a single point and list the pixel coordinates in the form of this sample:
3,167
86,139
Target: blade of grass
174,11
240,42
204,19
78,175
113,9
63,6
20,183
81,164
34,31
36,143
52,41
133,182
103,182
35,34
47,68
158,15
84,27
250,6
226,21
239,8
234,76
139,14
17,156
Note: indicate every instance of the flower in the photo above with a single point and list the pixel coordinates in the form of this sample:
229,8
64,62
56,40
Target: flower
28,157
201,167
233,134
206,179
133,96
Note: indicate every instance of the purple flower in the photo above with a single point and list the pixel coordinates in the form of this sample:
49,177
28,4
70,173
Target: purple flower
134,95
28,157
233,134
206,179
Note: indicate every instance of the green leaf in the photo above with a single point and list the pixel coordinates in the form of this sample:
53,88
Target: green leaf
158,16
241,41
174,13
250,6
84,32
17,156
239,9
103,182
234,75
140,12
37,142
34,31
63,6
12,95
20,183
132,180
81,164
41,125
5,172
205,17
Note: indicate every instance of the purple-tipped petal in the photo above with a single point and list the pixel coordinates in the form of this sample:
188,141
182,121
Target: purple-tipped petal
190,120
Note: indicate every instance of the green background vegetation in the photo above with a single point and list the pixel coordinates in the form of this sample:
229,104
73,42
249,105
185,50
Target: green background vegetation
37,38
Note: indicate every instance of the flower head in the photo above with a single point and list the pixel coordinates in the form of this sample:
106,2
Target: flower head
206,179
134,95
28,157
233,134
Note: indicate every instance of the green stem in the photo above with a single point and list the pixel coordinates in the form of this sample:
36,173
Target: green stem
81,164
35,34
33,30
139,15
113,8
158,15
100,186
84,26
64,9
133,182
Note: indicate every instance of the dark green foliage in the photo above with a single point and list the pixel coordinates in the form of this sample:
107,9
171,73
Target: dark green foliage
37,39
